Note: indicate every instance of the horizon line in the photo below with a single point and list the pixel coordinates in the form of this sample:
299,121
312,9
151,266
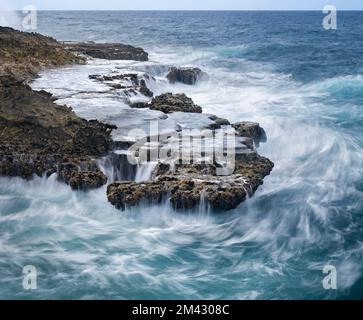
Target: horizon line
193,10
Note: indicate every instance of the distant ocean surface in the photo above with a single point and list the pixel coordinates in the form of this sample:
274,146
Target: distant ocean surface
302,83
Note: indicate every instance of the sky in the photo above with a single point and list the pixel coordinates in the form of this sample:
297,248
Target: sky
182,4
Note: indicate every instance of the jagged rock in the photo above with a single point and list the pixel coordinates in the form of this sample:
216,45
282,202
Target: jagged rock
38,137
189,185
184,75
196,182
109,51
205,177
131,77
89,177
145,90
169,102
130,83
24,54
218,122
250,130
124,194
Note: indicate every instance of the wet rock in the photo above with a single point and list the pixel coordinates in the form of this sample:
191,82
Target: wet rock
122,169
145,90
193,184
206,179
217,122
89,177
169,102
129,83
184,75
139,105
122,194
250,130
187,187
38,137
109,51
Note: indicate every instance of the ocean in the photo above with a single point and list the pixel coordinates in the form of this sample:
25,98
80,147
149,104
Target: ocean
302,83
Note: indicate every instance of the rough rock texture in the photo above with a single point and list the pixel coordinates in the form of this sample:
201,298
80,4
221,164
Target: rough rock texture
218,122
250,130
23,55
169,102
109,51
82,176
36,135
204,180
129,83
184,75
187,186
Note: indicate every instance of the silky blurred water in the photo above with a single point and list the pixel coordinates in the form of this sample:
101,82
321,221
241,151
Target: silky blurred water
303,84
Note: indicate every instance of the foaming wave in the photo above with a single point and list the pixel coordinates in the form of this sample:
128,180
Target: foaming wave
9,17
306,215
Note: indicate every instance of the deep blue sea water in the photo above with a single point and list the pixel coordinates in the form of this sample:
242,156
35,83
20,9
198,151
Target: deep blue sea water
304,84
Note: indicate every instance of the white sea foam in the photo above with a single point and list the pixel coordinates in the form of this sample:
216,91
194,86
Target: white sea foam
277,239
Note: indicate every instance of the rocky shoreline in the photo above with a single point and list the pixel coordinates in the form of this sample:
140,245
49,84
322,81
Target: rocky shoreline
40,137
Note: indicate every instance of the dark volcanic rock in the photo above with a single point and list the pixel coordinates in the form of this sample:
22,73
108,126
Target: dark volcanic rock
109,51
250,130
88,177
39,137
139,105
122,194
129,83
218,122
145,90
169,102
204,179
184,75
187,186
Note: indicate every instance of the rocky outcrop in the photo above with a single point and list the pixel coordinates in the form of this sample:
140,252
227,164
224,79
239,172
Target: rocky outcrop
187,186
217,122
204,179
24,54
109,51
81,175
250,130
129,83
184,75
169,102
37,136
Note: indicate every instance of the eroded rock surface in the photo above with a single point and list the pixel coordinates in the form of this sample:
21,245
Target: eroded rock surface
250,130
202,181
169,102
187,186
131,84
37,136
217,122
40,137
109,51
184,75
23,54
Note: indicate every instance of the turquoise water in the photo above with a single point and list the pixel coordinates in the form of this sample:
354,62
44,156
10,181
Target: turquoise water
302,83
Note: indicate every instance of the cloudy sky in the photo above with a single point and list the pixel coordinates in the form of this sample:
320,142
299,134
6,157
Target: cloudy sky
183,4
